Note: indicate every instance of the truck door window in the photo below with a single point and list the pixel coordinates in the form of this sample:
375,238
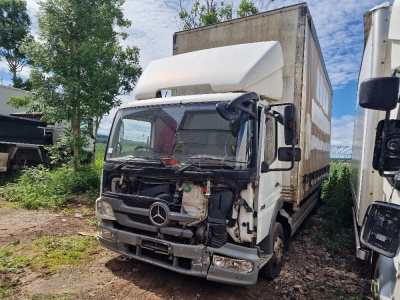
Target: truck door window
270,140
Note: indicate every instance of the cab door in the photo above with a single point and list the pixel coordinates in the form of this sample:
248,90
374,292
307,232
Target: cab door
270,183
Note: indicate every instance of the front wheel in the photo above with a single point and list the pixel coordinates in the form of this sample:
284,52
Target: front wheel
274,266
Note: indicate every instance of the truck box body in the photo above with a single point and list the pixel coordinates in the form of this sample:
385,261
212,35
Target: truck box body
305,81
214,180
22,131
381,58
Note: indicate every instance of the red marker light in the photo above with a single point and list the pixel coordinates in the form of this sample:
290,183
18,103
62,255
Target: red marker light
170,161
204,189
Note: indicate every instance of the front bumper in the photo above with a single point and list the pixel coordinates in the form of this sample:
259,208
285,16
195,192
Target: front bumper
192,260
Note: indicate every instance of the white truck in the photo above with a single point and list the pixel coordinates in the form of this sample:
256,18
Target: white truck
215,179
376,157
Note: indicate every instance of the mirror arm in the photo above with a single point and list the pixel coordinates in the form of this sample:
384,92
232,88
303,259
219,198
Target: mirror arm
238,104
291,163
292,145
228,110
283,169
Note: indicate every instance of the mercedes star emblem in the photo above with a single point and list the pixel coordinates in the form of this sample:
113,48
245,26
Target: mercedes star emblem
158,214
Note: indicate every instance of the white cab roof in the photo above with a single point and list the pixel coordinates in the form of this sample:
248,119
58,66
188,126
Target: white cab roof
253,67
183,99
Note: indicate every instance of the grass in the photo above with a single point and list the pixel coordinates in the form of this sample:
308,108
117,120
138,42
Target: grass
51,189
44,255
335,224
47,253
40,187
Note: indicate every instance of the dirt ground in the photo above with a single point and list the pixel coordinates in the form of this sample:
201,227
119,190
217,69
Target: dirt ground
309,272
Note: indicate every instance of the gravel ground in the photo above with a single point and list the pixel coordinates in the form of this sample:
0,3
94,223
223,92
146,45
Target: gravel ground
310,271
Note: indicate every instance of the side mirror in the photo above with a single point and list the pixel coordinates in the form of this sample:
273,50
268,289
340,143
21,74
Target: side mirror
225,113
389,161
287,154
381,228
290,125
381,93
230,111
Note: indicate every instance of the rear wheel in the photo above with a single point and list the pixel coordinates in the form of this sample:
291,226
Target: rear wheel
274,266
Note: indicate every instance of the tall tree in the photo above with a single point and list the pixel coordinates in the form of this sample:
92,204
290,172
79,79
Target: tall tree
14,27
79,66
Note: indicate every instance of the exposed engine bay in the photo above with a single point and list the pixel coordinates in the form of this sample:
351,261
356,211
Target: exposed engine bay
197,212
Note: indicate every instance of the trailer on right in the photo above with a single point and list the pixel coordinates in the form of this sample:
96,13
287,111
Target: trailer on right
375,168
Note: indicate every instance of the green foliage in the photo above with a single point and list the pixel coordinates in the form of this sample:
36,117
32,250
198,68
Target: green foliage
79,66
8,178
100,152
247,8
335,227
26,101
14,27
61,151
23,85
212,12
42,188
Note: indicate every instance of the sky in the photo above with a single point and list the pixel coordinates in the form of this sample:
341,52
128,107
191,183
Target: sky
339,25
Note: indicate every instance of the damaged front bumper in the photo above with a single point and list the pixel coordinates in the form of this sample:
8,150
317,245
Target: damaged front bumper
195,260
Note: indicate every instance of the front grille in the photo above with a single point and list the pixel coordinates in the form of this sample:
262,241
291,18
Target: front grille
140,219
155,246
140,201
134,200
183,263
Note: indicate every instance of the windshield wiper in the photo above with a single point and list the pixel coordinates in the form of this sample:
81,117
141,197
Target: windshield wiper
205,158
183,169
145,160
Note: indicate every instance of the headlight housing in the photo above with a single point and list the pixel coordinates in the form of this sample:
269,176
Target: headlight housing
105,233
104,210
232,264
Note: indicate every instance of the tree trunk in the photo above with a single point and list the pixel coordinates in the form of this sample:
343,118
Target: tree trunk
96,129
76,135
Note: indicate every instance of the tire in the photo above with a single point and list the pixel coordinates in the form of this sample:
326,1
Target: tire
274,266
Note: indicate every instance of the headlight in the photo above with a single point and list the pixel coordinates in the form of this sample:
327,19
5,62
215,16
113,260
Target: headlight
105,233
104,210
232,265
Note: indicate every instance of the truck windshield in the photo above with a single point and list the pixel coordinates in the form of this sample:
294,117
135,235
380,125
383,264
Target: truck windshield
187,133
